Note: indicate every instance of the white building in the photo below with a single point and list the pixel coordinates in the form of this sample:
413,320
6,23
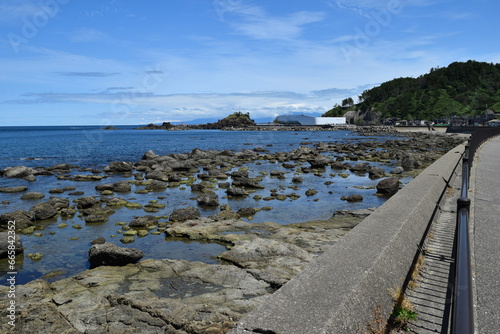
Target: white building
310,120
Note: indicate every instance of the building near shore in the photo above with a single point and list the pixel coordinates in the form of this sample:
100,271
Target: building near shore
310,120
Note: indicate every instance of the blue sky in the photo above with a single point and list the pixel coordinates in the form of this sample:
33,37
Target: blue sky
76,62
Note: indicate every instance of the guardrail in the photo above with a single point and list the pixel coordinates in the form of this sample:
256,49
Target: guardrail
462,321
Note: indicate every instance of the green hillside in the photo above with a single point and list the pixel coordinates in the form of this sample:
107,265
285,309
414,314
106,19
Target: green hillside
459,89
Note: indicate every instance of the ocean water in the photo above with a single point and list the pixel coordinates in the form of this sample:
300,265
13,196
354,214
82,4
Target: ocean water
65,249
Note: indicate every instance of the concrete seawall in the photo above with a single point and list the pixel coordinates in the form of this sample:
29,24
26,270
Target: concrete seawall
340,290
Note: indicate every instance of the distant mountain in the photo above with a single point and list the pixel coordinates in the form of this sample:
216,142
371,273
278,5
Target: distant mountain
462,88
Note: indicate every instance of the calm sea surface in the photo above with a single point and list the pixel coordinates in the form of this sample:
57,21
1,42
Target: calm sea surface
65,249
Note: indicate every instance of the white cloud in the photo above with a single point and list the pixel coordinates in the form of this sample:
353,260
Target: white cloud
254,22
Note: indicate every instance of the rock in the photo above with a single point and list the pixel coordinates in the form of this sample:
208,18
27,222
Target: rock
22,218
339,165
119,167
9,247
297,179
103,187
56,191
246,182
361,213
121,187
311,192
360,167
157,175
32,196
208,198
107,254
17,172
240,173
87,202
352,198
320,162
376,172
155,185
246,212
236,192
98,241
59,203
388,186
149,155
93,218
16,189
42,211
184,214
145,221
197,187
397,170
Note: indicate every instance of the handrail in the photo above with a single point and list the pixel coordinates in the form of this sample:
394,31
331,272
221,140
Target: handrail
462,321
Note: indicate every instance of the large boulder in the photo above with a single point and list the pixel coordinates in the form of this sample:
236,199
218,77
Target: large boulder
157,175
7,246
320,162
121,187
107,254
18,172
17,189
184,214
44,210
236,192
22,218
388,186
208,198
119,167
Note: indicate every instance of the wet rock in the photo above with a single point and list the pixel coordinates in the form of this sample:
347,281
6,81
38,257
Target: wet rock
320,162
360,167
16,189
303,152
246,182
87,202
197,187
119,167
246,212
98,241
297,179
7,245
352,198
42,211
155,185
239,173
311,192
236,192
184,214
208,198
339,165
107,254
22,218
145,221
56,191
361,213
103,187
94,218
121,187
376,172
388,186
32,196
76,193
59,203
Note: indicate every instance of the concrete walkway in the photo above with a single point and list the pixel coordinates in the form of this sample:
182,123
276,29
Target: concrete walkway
485,219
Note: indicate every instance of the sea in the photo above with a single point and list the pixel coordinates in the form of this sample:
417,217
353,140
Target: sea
64,249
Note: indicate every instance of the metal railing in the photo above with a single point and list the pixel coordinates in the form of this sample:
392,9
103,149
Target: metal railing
462,321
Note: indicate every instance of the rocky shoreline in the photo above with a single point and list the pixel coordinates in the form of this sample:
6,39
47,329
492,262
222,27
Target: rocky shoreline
178,296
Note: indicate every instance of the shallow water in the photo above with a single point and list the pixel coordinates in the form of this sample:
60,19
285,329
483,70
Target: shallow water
65,249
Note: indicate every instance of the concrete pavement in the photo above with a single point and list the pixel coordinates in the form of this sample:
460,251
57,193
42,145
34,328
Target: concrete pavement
485,225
